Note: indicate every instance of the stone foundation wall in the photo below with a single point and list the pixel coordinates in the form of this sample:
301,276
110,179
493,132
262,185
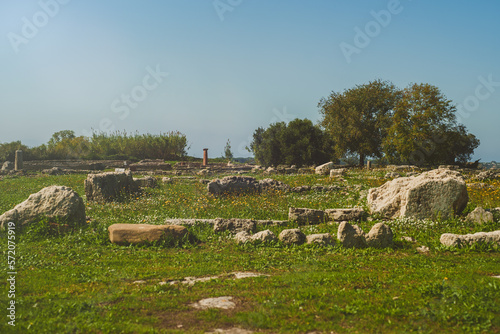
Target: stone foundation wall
36,165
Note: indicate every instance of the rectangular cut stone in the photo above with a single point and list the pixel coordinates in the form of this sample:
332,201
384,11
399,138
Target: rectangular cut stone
324,169
306,216
124,234
18,164
352,214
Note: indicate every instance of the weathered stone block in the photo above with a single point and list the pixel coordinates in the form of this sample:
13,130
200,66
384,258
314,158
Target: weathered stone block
306,216
380,236
324,239
351,236
351,214
292,236
124,234
109,186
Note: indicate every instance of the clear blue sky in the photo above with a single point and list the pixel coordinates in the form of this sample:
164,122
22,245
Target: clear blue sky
234,65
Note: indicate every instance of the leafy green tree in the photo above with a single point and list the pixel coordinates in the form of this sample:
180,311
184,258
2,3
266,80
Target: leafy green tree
8,151
358,118
424,129
269,152
228,154
296,143
59,136
305,144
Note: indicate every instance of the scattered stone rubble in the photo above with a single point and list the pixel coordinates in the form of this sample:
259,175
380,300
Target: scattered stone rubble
457,240
234,225
490,174
233,275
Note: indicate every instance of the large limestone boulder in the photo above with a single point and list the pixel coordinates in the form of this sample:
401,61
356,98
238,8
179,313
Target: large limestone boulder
55,202
457,240
233,185
110,186
324,169
351,236
306,216
439,192
125,234
380,236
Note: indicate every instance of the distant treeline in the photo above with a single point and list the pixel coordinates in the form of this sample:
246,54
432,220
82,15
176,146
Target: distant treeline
119,145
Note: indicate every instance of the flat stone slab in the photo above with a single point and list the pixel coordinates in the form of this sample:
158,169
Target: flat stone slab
193,280
124,234
224,303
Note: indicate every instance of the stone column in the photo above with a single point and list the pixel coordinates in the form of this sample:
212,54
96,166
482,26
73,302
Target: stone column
368,164
205,157
18,165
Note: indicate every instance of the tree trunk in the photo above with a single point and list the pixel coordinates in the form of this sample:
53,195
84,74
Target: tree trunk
361,160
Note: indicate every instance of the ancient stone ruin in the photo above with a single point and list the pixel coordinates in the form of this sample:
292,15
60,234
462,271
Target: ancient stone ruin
437,193
110,186
60,203
137,234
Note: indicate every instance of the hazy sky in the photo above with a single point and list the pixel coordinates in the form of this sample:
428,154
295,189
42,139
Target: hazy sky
217,70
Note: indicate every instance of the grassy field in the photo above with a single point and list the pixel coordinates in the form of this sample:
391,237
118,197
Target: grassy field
81,283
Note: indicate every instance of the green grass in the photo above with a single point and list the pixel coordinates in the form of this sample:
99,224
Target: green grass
81,283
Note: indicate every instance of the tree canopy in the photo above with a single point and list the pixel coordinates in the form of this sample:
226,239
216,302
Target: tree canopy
297,143
415,125
358,118
424,129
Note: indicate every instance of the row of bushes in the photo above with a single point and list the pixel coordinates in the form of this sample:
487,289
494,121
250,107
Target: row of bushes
119,145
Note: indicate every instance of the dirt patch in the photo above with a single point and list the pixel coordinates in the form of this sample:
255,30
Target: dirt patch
203,320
